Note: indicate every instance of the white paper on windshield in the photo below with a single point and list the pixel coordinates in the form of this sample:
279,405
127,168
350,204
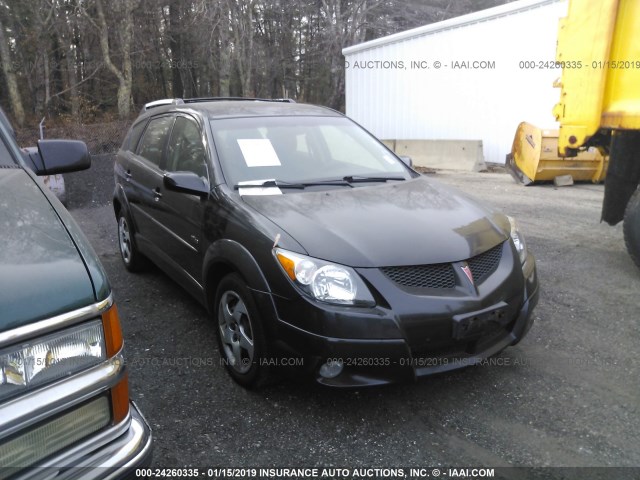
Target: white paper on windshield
258,190
258,152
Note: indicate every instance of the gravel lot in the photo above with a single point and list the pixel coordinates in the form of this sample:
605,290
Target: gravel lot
567,395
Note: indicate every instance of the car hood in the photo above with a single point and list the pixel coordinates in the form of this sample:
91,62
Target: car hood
42,274
414,222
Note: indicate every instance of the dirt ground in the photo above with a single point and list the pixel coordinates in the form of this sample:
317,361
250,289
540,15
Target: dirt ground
567,396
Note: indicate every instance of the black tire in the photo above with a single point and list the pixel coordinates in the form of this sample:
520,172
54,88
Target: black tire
631,227
241,340
133,260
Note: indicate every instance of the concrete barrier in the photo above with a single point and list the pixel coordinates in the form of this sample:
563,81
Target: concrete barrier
463,155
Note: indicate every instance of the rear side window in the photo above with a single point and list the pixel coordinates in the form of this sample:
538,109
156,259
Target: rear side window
152,144
131,141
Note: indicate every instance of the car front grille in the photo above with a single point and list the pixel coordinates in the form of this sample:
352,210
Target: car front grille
485,264
441,275
422,276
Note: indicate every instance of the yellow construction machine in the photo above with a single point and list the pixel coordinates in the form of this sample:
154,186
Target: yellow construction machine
534,158
599,52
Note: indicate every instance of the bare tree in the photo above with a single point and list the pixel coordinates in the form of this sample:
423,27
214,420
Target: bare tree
51,51
10,75
66,29
242,18
124,31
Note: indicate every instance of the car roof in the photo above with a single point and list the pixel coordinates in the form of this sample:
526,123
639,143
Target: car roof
214,108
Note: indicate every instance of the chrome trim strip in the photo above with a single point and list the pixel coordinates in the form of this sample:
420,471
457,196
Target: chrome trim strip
132,453
48,400
67,319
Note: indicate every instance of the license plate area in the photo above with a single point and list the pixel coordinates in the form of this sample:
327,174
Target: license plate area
481,322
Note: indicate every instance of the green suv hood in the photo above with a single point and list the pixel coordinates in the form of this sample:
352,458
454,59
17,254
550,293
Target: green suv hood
42,273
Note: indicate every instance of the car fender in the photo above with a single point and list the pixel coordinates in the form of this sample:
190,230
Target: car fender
235,255
232,256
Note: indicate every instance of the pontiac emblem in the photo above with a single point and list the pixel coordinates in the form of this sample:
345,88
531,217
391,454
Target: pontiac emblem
467,271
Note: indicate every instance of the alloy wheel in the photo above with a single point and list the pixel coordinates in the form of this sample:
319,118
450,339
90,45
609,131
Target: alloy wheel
124,235
236,332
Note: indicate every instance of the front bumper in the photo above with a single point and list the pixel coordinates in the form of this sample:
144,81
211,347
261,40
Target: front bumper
414,335
384,361
127,448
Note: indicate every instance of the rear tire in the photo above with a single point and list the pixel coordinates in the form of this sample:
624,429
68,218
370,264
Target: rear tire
631,227
133,260
241,339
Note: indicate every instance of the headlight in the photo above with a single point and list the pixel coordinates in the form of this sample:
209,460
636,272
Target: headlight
324,281
518,240
49,358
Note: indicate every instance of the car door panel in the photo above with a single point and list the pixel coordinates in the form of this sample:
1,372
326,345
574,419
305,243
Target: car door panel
122,167
142,171
182,214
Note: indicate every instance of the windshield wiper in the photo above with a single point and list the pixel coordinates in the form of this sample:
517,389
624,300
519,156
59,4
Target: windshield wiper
364,179
298,185
339,183
270,183
344,182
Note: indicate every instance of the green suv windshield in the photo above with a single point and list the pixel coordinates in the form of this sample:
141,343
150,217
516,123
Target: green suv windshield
5,156
300,149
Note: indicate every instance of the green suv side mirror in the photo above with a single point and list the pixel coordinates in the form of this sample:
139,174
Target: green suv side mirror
58,156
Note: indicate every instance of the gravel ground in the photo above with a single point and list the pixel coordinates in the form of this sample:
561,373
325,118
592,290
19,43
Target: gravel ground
567,395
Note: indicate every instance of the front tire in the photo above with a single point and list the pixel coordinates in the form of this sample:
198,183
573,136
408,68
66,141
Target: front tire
631,227
133,260
241,339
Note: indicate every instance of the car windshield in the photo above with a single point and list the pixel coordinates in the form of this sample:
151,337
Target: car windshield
301,150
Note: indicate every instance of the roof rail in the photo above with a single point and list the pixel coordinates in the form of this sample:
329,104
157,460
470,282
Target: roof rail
160,103
244,99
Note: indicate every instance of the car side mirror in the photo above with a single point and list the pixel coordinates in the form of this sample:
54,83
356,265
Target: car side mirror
58,156
186,182
407,161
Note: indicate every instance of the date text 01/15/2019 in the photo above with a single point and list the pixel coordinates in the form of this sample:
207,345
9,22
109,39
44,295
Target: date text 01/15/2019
579,64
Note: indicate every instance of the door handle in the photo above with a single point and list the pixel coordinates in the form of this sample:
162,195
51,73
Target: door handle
157,194
127,175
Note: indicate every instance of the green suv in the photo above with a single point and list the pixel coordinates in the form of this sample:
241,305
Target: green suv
64,402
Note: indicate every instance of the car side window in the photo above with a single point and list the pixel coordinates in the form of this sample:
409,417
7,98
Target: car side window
131,141
154,139
186,152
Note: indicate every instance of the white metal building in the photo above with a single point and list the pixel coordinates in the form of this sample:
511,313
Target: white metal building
496,70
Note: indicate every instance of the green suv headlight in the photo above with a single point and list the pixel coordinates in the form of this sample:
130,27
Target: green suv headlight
49,358
518,239
324,281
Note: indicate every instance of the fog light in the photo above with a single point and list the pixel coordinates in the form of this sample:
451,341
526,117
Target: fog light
331,369
53,435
